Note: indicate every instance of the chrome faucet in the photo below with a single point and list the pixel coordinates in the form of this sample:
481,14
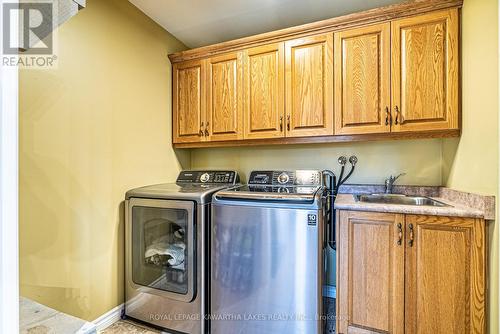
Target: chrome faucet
389,183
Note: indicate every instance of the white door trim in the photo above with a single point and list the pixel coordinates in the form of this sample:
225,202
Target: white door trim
9,256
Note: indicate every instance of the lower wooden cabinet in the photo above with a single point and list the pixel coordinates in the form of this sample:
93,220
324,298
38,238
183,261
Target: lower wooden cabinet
445,275
410,274
370,291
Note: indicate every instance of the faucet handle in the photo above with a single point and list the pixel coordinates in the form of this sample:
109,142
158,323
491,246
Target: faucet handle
397,177
393,179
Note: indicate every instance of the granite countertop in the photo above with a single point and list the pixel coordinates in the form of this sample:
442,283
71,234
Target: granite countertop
461,204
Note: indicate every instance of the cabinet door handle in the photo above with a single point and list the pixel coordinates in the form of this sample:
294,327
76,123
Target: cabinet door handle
410,242
206,130
288,123
387,116
399,116
201,130
400,234
281,123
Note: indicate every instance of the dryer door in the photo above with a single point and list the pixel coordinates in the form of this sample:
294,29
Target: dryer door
161,256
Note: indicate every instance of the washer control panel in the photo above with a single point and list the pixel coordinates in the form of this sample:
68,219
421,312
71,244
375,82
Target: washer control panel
283,178
189,176
286,178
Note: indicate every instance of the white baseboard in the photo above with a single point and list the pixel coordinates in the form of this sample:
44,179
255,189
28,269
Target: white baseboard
109,318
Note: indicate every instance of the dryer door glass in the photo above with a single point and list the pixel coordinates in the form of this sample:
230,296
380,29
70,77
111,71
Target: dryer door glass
162,248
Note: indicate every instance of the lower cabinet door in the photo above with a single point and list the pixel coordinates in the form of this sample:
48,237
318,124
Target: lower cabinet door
370,296
445,275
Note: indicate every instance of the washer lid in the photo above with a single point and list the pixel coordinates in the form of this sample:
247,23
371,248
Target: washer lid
201,193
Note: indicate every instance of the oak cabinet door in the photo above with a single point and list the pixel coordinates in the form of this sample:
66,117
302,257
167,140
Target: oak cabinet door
225,97
445,275
425,74
263,90
189,101
309,86
362,80
370,294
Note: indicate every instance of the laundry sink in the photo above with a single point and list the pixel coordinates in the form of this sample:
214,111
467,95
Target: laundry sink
398,199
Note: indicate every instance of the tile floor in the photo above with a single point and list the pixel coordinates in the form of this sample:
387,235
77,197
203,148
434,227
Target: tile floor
129,327
36,318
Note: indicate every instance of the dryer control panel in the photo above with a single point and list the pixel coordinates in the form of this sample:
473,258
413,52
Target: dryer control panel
201,177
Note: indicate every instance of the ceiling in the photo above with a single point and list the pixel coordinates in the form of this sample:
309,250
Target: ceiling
203,22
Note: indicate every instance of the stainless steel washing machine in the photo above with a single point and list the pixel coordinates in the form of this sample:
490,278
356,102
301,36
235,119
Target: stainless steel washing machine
167,253
267,255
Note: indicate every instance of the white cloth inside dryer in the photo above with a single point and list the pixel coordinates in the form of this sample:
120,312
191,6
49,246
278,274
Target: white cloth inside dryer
163,249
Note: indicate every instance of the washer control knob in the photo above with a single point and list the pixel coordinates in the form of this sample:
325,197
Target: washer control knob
204,177
283,178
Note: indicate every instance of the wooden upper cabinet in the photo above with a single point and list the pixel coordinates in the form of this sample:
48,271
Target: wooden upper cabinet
425,76
445,275
362,80
370,291
263,92
391,73
309,86
188,101
224,119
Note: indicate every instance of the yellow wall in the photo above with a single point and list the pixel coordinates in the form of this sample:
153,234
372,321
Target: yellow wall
420,159
471,163
94,127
